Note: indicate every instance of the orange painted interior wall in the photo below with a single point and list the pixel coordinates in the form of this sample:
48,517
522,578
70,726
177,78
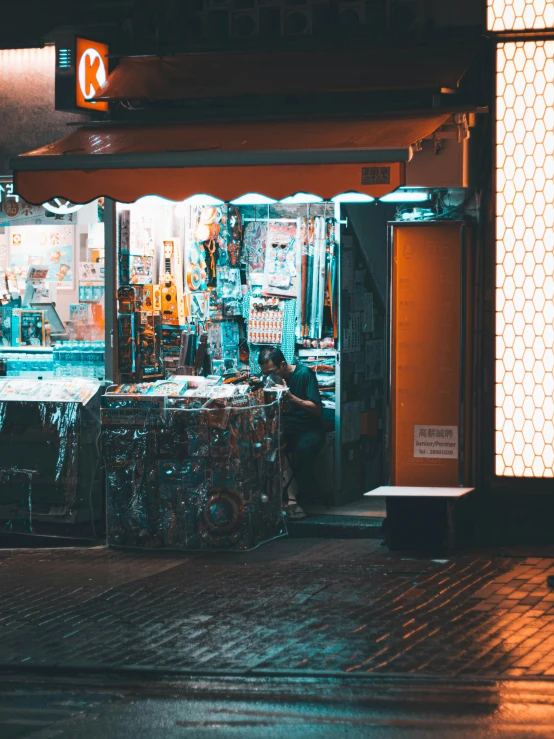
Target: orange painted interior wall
425,346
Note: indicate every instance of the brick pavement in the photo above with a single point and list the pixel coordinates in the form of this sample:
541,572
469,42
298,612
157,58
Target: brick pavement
291,606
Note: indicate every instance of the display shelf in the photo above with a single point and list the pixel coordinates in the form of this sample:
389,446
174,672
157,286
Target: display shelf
25,350
317,352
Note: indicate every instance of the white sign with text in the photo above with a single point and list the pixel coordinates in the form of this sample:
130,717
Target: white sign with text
436,441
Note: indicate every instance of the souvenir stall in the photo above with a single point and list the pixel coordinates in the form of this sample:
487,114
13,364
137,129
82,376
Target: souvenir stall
202,287
52,328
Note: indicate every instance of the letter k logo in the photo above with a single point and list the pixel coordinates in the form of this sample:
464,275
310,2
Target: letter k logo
92,73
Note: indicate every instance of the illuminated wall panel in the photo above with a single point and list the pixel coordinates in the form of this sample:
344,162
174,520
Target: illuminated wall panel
27,118
525,259
519,15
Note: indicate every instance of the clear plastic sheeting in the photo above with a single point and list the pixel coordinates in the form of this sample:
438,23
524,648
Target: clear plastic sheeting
61,424
192,473
49,455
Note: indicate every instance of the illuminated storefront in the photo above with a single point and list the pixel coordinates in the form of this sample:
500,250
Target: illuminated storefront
223,237
52,283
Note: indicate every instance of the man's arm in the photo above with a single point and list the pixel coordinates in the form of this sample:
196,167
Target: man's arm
314,409
312,404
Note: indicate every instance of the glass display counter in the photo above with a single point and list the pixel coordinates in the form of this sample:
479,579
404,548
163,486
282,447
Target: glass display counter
76,359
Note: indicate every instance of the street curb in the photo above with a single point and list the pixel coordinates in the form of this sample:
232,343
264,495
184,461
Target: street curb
145,671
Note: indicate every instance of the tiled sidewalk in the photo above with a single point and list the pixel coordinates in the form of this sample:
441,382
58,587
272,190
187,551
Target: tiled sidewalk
291,606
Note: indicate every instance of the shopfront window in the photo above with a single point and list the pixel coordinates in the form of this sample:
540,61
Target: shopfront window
241,275
51,288
204,286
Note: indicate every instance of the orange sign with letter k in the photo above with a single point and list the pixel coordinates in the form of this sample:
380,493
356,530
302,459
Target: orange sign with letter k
92,72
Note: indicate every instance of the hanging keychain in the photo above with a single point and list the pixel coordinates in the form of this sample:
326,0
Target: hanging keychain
210,248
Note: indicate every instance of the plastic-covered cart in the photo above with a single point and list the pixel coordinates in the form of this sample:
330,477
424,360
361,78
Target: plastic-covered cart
192,468
49,456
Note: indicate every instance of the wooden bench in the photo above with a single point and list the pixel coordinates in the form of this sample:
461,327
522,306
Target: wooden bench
427,519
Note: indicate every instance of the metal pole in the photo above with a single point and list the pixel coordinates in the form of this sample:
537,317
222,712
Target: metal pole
110,292
338,389
463,369
387,369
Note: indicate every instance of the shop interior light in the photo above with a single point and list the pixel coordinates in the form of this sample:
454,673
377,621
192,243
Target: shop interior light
61,208
202,200
406,196
253,198
302,198
352,197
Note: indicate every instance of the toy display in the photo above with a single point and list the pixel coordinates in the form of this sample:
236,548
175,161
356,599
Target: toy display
265,321
281,258
139,333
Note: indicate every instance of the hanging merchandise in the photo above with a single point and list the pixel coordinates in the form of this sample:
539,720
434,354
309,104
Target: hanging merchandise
208,224
171,284
281,258
223,341
234,238
315,278
265,321
254,242
229,290
124,247
309,277
304,277
207,233
322,275
196,268
301,240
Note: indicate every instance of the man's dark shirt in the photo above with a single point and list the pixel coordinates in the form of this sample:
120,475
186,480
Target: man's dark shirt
302,384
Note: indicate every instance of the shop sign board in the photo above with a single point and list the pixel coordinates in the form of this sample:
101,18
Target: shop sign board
91,65
438,442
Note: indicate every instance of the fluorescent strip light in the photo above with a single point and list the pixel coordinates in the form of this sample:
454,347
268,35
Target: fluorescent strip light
61,208
352,197
253,198
406,196
202,200
301,198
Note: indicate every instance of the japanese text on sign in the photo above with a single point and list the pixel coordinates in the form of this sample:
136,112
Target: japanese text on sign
436,441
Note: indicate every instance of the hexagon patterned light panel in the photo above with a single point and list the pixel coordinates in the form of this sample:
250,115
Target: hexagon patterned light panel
525,259
519,15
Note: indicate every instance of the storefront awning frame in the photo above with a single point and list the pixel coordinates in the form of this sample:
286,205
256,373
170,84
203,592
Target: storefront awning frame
211,158
225,159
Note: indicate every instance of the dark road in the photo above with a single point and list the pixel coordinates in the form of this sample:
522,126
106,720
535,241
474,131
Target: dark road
44,708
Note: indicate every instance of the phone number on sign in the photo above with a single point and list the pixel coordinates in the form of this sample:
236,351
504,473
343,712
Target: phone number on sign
435,452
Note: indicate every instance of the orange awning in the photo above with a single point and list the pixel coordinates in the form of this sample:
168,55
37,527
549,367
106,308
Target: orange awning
225,160
291,72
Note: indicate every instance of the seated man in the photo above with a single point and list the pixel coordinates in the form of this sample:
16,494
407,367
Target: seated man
303,429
